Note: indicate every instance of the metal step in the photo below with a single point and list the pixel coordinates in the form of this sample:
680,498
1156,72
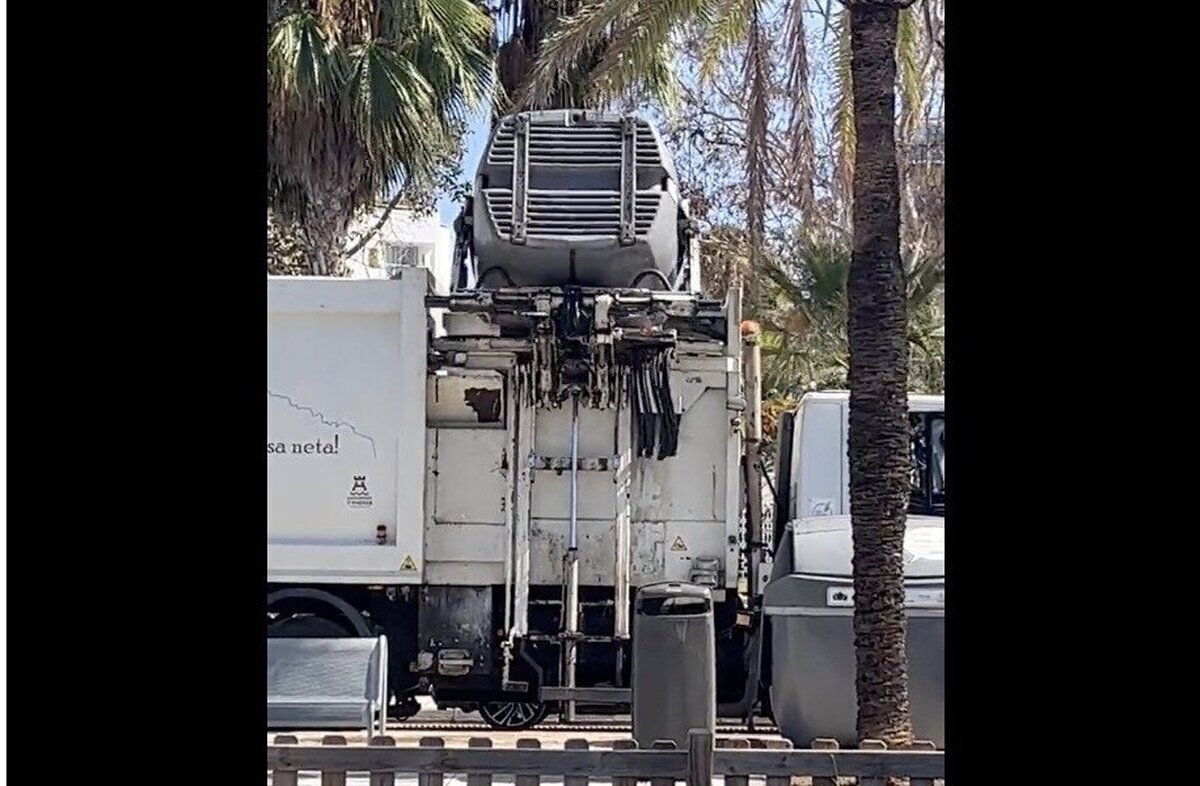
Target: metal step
557,602
557,638
563,463
588,695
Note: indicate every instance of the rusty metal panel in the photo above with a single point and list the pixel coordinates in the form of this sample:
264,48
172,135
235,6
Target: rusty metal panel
465,398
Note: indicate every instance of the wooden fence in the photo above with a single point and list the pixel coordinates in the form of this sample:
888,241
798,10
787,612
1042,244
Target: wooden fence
735,760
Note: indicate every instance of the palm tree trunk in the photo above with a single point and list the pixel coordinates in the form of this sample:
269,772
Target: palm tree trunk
878,439
322,235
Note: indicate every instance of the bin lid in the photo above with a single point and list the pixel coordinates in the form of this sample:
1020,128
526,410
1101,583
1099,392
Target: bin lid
824,546
673,598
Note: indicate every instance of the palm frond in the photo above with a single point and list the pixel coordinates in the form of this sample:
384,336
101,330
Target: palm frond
828,267
909,81
300,65
659,80
637,40
790,290
925,276
757,86
843,106
348,20
365,95
390,104
731,26
574,37
803,148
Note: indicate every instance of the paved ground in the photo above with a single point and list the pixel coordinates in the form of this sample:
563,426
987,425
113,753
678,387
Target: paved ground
431,714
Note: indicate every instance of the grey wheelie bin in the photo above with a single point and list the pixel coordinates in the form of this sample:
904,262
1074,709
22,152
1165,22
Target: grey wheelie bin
674,663
810,607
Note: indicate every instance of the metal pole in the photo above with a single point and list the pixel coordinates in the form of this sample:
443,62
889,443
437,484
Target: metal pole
752,381
573,542
571,570
621,480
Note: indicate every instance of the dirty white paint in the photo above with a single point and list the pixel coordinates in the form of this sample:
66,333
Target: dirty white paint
345,405
347,368
925,543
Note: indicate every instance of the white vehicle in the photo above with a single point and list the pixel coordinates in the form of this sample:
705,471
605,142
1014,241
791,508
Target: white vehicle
491,494
423,486
817,465
808,607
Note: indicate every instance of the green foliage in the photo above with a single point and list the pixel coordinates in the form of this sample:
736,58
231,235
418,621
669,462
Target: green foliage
803,314
366,97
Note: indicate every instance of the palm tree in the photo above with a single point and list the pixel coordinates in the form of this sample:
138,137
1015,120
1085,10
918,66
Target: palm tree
806,310
363,99
919,61
522,26
878,437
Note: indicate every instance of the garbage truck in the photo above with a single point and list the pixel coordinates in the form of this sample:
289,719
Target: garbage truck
489,494
486,475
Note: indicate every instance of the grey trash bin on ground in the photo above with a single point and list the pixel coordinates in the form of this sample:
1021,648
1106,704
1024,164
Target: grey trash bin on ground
674,663
810,606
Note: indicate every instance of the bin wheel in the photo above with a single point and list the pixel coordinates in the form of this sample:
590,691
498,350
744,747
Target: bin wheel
513,715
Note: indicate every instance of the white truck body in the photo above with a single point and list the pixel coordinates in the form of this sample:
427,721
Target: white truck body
679,508
362,436
345,429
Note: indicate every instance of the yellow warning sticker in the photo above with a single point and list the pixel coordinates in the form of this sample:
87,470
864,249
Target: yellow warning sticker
678,545
408,563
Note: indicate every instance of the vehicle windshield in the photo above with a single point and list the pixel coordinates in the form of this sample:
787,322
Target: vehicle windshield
929,463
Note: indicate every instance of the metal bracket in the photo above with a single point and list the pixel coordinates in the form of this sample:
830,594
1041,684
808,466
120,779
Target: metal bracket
589,695
454,663
628,180
520,179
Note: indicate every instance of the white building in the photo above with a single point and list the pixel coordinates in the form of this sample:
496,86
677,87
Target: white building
405,239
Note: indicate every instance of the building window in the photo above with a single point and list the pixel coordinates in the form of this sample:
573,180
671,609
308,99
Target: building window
407,255
401,255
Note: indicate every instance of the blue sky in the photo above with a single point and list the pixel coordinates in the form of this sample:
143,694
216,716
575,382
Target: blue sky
476,141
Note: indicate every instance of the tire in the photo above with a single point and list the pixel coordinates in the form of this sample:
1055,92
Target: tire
404,709
513,715
306,627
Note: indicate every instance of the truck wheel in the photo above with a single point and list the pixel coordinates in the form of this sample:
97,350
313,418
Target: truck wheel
513,715
306,627
404,708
